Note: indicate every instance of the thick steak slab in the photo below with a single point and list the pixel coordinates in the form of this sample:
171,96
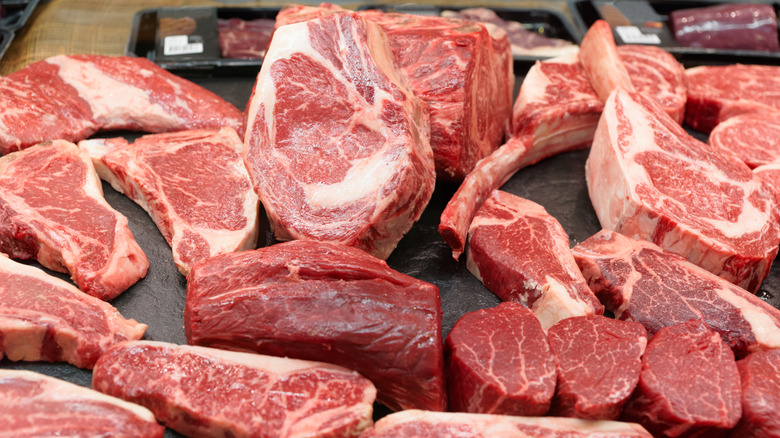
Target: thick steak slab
638,281
204,208
38,405
52,209
716,93
760,377
48,319
72,96
689,385
649,179
412,423
522,254
498,361
207,392
598,361
753,137
337,144
325,302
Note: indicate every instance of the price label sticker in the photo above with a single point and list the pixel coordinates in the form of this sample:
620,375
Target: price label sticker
633,35
181,45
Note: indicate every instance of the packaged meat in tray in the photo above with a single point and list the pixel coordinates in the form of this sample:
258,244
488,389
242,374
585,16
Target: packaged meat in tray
696,32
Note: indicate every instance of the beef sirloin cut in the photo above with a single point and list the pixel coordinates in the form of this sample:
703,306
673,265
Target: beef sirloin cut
521,253
598,361
760,377
325,302
337,143
649,179
52,209
44,318
38,405
498,361
72,96
418,424
206,392
204,208
689,384
753,137
717,93
638,281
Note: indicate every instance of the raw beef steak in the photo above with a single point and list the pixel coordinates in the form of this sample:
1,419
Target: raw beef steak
716,93
337,143
326,302
598,362
602,64
244,39
689,385
72,96
498,361
521,253
769,174
753,137
45,318
464,71
52,209
39,405
760,376
638,281
656,73
205,392
649,179
204,208
412,423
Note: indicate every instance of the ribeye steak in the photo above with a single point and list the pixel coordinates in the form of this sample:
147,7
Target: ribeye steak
638,281
326,302
521,253
598,362
44,318
753,137
204,208
760,377
72,96
52,209
207,392
649,179
337,143
38,405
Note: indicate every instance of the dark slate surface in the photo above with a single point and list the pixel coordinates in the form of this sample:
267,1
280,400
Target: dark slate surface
557,183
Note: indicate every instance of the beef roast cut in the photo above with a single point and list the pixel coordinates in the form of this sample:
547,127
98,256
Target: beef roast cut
498,361
52,209
71,97
38,405
326,302
337,144
638,281
598,361
649,179
521,253
760,377
205,208
719,92
44,318
207,392
689,385
418,424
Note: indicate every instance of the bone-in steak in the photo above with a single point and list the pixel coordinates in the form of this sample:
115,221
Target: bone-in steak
72,96
649,179
337,143
638,281
38,405
201,391
325,302
52,209
44,318
204,208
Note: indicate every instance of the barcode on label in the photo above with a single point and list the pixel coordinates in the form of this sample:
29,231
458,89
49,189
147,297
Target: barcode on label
632,35
181,45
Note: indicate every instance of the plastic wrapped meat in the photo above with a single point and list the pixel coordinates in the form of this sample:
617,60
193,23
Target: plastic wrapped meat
740,27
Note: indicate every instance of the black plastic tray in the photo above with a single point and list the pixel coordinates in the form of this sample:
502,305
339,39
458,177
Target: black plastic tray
6,37
17,12
652,18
